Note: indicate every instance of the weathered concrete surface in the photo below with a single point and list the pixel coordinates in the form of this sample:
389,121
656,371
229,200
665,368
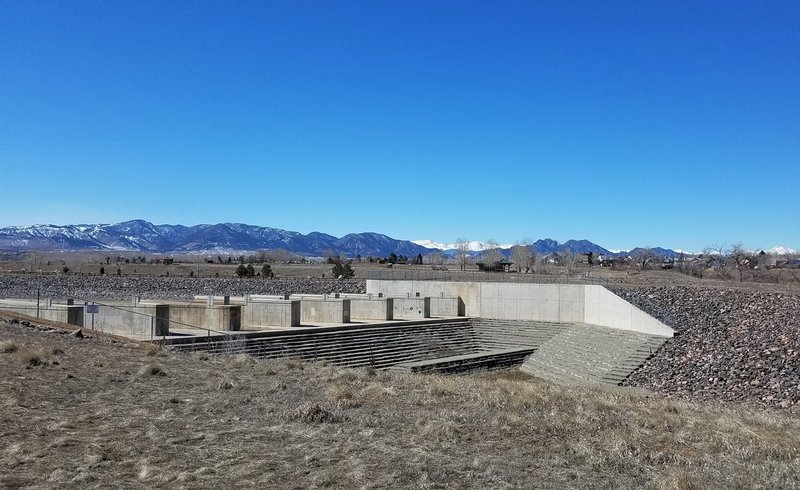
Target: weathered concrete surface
222,317
323,309
271,312
371,309
411,308
564,303
447,307
142,319
591,354
71,314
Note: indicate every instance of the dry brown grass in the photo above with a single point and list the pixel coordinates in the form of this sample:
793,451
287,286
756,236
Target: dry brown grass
236,422
151,349
151,370
7,346
33,355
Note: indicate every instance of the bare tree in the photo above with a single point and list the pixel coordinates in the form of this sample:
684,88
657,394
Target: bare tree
643,257
433,258
491,253
785,266
538,261
737,259
330,256
567,259
462,252
718,258
281,255
521,255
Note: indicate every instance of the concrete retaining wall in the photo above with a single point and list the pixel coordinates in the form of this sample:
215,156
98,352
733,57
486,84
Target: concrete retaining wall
222,317
319,310
447,307
145,319
602,307
411,308
569,303
71,314
372,309
272,312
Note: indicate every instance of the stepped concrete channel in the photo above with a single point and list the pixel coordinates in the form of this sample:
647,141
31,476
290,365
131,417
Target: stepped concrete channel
563,333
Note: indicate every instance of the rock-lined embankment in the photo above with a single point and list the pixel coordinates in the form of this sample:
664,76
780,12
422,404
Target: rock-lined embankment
169,288
736,345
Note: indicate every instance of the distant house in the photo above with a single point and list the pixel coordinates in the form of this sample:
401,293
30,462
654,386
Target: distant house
497,266
163,260
607,260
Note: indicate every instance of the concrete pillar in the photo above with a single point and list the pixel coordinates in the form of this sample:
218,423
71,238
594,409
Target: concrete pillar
161,324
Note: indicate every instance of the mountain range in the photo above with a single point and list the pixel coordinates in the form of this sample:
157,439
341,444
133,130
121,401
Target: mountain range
143,236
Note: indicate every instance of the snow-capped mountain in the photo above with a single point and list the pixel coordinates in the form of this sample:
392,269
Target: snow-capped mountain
472,246
143,236
546,246
778,250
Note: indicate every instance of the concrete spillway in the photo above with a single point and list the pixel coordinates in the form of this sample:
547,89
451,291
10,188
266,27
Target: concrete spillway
561,332
559,352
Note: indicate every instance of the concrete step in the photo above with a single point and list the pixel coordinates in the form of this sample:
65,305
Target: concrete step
561,352
489,360
591,354
379,347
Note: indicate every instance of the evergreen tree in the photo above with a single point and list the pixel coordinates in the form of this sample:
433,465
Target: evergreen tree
343,271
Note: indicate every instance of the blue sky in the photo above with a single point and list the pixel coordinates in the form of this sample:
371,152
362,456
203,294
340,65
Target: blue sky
636,123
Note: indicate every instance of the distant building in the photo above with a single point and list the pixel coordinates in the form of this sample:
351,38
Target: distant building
497,266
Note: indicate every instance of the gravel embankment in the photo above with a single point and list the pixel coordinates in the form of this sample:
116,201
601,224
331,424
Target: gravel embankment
729,344
169,288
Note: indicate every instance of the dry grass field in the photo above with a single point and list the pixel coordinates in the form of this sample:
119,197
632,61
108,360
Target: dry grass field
92,413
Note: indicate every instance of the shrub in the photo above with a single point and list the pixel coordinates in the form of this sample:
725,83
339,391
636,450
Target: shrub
33,357
314,413
8,346
151,370
343,271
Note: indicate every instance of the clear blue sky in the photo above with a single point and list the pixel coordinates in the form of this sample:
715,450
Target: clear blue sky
672,124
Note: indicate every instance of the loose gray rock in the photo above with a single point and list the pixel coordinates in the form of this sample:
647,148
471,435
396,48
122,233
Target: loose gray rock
730,344
168,288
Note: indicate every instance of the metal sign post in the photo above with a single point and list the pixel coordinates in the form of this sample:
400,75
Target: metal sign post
92,309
